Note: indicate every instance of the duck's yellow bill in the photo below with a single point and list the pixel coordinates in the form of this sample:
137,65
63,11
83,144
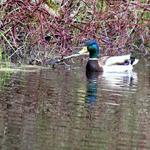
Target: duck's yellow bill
83,50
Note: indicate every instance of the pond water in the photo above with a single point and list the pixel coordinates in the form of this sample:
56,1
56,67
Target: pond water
66,110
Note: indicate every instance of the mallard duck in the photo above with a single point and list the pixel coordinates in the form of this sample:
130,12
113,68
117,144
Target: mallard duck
96,63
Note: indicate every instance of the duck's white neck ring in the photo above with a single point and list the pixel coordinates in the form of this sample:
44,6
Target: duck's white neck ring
93,59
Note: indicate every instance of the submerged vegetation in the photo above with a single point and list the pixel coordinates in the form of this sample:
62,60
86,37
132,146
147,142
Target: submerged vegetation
33,31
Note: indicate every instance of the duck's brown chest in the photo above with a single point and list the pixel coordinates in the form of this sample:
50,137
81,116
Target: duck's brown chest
93,65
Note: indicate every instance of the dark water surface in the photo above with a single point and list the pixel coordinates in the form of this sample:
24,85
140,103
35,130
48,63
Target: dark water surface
64,110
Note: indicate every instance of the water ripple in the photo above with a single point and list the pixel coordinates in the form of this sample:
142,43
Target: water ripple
58,109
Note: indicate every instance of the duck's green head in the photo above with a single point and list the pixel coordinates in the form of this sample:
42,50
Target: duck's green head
92,47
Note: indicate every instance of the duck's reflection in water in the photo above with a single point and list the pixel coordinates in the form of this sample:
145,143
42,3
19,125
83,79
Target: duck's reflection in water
91,87
110,81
